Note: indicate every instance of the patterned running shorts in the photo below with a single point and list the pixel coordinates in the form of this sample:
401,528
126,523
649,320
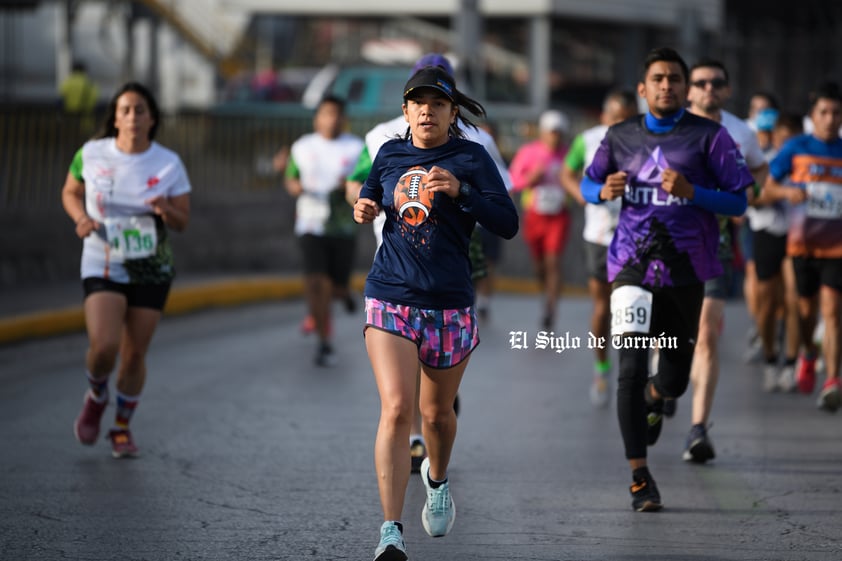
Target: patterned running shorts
444,337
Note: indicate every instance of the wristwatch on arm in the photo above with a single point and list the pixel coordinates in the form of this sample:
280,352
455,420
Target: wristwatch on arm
465,191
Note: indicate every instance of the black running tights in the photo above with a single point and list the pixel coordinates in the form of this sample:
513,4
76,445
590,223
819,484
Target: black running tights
675,314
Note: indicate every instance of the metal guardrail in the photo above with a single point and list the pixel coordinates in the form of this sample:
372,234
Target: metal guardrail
36,147
243,217
225,156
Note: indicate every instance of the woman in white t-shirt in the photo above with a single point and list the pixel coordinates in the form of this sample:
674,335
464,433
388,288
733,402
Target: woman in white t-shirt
123,192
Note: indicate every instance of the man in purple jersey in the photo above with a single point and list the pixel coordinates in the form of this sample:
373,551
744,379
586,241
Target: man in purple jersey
674,171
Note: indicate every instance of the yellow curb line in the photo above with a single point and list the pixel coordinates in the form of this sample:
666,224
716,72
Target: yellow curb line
181,300
209,295
231,293
42,324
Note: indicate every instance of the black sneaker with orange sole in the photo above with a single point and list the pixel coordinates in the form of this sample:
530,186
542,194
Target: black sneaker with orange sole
645,495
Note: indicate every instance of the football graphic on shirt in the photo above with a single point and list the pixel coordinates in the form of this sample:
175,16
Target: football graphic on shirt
412,199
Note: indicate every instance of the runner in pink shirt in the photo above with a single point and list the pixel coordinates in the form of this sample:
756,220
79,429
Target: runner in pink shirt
536,172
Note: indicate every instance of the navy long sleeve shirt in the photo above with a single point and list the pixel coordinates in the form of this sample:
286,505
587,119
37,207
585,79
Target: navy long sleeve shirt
427,265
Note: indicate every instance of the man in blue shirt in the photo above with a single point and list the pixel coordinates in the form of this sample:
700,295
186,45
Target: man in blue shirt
813,165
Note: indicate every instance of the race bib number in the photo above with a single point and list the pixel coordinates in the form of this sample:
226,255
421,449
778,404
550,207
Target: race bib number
548,199
312,211
631,310
824,200
132,237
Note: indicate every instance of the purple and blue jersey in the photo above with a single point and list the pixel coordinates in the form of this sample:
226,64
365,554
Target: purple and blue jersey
661,239
424,262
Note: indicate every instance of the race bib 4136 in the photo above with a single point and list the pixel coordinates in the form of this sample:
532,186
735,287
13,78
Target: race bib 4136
132,237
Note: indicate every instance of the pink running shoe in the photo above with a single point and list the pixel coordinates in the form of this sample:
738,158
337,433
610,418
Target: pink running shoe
830,397
308,325
86,427
806,376
122,445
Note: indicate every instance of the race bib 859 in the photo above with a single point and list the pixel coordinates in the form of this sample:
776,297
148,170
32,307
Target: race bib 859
631,310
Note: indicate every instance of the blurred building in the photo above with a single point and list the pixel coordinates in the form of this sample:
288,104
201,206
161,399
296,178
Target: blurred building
534,52
528,52
786,48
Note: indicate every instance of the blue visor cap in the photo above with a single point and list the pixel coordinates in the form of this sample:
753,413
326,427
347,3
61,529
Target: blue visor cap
430,77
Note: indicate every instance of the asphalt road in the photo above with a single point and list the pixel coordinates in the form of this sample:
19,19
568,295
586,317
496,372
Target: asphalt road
249,452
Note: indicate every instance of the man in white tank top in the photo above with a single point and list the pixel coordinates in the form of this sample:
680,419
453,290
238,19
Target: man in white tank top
600,223
709,90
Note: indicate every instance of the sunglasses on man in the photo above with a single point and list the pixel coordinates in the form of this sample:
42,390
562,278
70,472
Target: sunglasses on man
717,83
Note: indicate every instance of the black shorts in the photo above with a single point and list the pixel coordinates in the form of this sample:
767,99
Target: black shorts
596,261
675,311
813,272
328,255
137,295
769,254
722,286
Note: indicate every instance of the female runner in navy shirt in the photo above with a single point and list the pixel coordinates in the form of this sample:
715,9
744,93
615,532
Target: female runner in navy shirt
420,317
